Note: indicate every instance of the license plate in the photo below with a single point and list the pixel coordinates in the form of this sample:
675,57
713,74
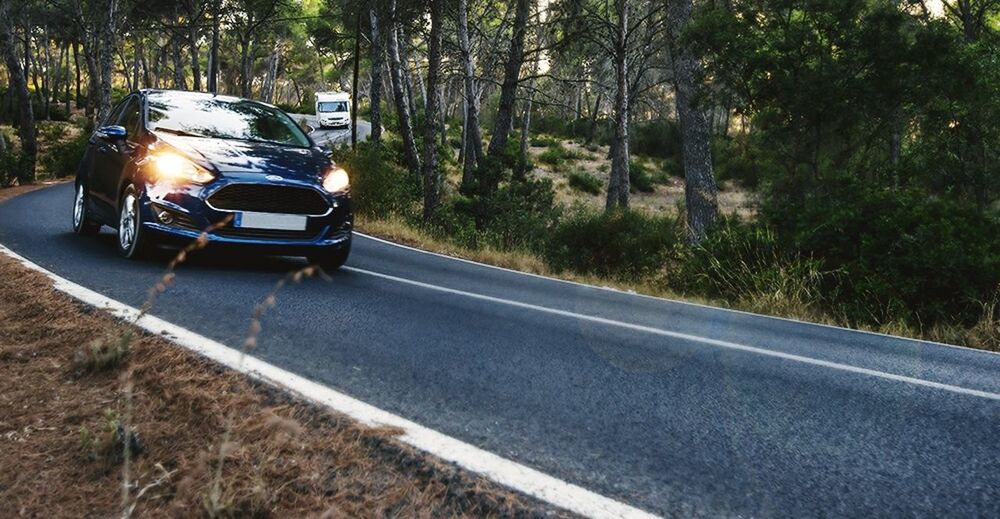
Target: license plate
272,221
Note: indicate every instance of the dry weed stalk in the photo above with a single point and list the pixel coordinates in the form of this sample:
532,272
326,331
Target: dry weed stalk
214,499
154,291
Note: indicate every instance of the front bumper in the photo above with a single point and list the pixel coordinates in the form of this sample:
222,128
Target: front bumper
335,121
190,214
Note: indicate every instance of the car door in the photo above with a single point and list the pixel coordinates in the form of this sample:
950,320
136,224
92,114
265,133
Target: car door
107,165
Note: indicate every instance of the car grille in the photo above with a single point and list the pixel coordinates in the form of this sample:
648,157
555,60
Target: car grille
265,234
269,199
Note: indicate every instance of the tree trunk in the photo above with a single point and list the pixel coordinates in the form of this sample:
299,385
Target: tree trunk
76,65
246,66
107,43
700,190
375,90
26,127
432,175
404,58
508,90
193,44
473,140
354,81
177,58
592,127
213,57
618,182
402,108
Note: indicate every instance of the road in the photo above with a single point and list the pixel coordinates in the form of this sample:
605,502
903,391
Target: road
333,135
679,409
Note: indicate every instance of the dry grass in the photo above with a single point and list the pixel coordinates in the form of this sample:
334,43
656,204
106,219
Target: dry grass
284,458
788,301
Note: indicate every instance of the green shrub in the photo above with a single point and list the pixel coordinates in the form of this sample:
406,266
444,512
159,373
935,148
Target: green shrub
902,255
639,178
63,158
378,187
543,141
660,138
618,244
582,181
746,263
519,215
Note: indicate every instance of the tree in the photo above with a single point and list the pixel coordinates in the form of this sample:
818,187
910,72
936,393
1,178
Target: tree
508,92
26,121
377,59
700,190
399,95
473,139
432,174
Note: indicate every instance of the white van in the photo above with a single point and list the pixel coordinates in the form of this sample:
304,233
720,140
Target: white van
333,109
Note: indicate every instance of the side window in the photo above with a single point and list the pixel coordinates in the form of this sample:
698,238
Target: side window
116,113
132,119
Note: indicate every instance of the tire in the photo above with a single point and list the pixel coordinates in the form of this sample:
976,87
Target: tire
133,241
331,261
82,223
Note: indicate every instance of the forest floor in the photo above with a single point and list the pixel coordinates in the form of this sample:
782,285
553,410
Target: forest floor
668,187
63,405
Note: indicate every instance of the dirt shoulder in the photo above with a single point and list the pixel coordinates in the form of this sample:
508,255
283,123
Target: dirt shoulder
61,446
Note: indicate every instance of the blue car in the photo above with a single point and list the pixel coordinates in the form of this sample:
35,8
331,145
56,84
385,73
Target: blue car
166,165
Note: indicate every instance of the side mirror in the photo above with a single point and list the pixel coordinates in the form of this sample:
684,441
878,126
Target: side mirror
111,133
327,152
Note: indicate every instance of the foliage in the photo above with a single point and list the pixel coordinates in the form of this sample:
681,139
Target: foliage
379,187
639,178
584,181
617,244
747,263
61,159
899,253
519,214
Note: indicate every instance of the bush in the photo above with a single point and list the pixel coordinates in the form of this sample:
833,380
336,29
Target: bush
746,263
660,138
558,155
618,244
519,215
902,255
61,159
639,178
543,141
582,181
379,187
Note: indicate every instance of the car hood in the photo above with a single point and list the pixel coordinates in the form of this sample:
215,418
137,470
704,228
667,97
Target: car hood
244,157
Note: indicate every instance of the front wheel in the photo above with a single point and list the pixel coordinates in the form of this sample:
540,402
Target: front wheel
82,224
330,261
133,242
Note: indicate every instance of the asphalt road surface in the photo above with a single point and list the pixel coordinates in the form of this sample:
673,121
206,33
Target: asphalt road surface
333,135
681,410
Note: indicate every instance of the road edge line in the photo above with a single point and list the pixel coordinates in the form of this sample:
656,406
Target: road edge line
666,299
506,472
728,345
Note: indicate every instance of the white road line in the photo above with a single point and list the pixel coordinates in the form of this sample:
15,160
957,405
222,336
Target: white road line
501,470
909,340
687,337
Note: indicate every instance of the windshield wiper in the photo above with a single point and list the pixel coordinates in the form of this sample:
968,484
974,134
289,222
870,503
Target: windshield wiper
175,131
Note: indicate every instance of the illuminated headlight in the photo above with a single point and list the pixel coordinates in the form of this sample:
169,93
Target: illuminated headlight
172,166
336,181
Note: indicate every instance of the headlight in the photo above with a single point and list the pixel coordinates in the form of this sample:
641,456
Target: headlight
172,166
336,180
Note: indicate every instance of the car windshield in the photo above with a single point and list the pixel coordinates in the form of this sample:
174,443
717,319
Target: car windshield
222,117
333,106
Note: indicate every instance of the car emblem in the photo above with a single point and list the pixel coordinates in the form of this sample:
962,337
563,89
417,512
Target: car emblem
274,178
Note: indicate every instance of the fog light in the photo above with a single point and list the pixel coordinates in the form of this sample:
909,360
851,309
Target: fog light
165,217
